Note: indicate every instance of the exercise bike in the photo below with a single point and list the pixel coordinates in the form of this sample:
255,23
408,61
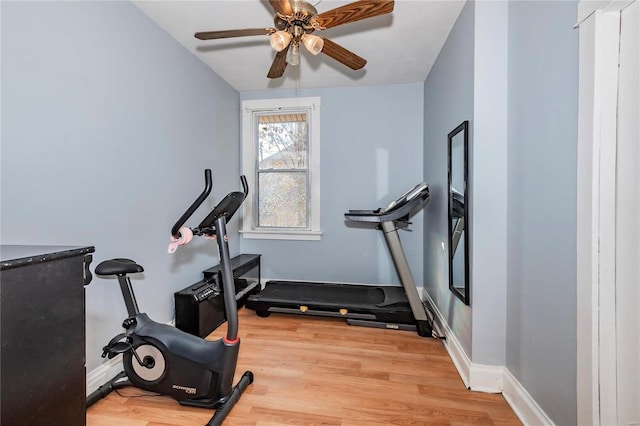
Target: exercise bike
160,358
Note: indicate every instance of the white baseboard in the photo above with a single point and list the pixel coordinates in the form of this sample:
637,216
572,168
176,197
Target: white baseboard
452,344
525,407
488,378
477,377
103,373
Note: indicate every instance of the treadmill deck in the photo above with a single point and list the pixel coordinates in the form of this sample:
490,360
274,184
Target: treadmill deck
379,303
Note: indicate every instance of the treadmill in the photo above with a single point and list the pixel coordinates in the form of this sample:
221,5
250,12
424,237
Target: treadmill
390,307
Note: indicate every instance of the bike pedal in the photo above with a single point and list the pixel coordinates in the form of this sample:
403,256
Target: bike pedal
117,346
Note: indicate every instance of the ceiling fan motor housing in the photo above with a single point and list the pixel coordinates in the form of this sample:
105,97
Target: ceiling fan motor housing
301,17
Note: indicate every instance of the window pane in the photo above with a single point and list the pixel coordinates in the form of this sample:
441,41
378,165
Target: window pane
282,199
282,141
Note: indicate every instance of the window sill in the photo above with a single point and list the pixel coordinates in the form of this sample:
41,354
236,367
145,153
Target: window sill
281,235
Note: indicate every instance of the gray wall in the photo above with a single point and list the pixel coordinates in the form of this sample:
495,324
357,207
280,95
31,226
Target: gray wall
523,89
488,242
543,93
448,101
468,82
371,151
107,126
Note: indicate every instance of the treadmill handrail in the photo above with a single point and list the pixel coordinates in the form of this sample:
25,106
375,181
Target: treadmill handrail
398,212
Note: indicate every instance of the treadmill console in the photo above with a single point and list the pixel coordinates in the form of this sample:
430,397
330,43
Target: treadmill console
398,209
407,197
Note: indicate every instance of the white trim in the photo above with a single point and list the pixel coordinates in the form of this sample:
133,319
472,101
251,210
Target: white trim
105,372
525,407
586,330
607,93
260,234
627,219
451,343
595,238
618,5
586,8
249,107
488,378
477,377
458,355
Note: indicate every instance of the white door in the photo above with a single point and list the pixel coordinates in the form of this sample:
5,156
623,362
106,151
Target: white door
627,218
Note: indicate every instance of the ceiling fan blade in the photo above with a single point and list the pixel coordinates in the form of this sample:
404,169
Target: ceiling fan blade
282,6
342,55
210,35
352,12
279,64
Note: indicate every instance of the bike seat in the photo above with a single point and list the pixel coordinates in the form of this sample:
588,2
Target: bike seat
118,267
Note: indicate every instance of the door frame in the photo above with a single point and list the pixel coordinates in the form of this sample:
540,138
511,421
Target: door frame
599,24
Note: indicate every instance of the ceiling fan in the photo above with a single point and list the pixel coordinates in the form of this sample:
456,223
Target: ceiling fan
296,20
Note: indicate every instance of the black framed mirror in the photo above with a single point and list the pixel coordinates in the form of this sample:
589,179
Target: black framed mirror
458,148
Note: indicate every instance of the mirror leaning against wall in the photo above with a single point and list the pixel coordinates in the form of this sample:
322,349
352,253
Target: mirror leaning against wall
458,147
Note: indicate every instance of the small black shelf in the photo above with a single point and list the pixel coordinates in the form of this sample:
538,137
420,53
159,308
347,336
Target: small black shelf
240,264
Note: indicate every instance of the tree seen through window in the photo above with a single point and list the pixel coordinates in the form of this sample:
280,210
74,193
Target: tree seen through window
283,170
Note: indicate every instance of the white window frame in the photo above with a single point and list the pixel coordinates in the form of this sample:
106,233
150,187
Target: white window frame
250,108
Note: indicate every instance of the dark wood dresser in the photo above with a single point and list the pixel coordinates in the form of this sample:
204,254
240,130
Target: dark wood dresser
42,326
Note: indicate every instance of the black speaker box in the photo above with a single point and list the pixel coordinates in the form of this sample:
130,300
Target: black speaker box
200,307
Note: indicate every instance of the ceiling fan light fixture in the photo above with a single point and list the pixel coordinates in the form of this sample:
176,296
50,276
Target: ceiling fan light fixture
293,55
313,43
280,40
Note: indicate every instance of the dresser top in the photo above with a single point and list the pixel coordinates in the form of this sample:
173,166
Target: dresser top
13,256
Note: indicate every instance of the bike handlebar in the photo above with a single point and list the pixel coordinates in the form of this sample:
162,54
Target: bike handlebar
245,186
208,184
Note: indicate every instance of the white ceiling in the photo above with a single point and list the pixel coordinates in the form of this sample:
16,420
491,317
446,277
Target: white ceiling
399,47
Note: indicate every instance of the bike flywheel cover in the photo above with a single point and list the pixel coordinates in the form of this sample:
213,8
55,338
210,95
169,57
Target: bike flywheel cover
153,373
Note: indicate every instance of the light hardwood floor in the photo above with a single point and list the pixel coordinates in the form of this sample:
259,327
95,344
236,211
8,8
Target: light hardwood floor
320,371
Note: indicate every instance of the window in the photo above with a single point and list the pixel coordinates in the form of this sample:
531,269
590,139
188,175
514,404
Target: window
281,160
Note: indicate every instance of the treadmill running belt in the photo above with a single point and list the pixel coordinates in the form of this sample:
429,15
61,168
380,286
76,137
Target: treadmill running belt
342,294
385,304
